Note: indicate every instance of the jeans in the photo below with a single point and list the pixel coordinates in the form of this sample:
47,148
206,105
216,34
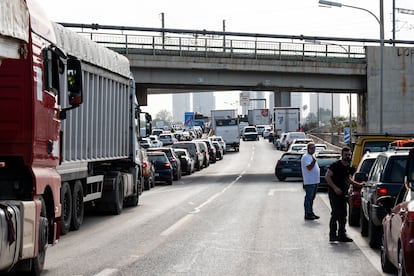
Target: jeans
310,194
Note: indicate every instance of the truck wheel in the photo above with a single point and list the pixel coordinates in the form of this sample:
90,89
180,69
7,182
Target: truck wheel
66,199
39,261
77,206
118,195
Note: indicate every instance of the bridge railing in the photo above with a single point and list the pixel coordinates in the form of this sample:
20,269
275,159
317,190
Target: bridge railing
228,47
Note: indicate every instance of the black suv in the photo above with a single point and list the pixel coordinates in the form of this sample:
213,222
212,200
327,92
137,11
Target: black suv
174,160
384,179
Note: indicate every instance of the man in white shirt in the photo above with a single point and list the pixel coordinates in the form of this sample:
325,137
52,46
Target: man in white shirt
311,178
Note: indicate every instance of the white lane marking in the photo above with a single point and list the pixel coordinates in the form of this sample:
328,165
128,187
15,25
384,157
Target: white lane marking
176,225
197,209
370,254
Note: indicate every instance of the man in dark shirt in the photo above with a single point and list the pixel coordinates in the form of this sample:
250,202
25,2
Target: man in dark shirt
339,178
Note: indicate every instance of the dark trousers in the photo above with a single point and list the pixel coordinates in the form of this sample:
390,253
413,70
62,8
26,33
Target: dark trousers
338,215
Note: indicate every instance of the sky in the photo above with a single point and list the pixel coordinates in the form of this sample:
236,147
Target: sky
284,17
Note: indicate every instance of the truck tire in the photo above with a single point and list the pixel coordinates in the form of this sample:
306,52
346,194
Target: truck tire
77,206
66,199
118,196
38,262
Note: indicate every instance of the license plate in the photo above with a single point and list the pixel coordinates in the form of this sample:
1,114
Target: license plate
157,174
286,170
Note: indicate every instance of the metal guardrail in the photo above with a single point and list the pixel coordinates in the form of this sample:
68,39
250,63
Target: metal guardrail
197,45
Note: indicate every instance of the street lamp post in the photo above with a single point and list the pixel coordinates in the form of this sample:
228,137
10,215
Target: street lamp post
381,24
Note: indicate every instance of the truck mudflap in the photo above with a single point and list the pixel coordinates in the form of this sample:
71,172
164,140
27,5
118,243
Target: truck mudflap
10,225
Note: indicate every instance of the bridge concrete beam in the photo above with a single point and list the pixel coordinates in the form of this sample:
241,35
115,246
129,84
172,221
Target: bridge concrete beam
237,74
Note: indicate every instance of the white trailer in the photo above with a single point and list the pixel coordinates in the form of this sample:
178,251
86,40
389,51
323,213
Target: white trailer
100,164
258,117
228,129
286,119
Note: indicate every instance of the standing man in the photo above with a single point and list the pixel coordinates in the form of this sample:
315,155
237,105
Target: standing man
339,178
311,178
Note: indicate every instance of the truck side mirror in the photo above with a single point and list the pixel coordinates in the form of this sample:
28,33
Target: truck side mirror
74,82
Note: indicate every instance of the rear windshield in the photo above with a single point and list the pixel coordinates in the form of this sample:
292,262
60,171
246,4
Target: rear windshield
185,146
156,158
291,157
395,171
376,146
366,165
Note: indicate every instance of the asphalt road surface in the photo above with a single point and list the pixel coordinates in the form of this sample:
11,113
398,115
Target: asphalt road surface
232,218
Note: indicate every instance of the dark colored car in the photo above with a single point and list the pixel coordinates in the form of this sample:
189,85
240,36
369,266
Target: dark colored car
397,248
187,163
385,179
354,192
162,166
325,159
289,165
195,152
174,160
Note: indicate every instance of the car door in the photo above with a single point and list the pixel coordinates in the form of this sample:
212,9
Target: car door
373,178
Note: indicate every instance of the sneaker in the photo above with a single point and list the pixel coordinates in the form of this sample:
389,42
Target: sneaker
345,239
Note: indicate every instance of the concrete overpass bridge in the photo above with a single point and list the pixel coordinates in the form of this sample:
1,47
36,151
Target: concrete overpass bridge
176,60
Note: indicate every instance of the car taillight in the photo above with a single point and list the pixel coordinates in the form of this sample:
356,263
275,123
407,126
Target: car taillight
382,192
144,165
167,165
174,160
410,216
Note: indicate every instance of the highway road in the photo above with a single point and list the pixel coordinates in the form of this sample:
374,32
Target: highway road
232,218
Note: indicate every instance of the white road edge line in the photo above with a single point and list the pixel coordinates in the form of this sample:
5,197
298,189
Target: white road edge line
197,209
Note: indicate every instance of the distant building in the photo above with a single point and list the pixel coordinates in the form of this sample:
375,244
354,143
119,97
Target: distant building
204,102
181,103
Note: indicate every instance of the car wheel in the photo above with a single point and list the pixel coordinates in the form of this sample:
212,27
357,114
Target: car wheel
386,265
363,223
374,234
353,216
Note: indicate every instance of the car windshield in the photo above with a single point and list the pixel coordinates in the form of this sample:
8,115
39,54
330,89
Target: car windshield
326,160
